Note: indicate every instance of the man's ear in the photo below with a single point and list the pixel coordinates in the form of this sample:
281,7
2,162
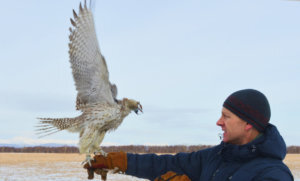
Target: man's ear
248,127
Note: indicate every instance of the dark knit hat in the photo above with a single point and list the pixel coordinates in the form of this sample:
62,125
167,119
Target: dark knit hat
251,106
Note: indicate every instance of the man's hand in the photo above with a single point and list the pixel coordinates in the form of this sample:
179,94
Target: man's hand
172,176
99,161
98,165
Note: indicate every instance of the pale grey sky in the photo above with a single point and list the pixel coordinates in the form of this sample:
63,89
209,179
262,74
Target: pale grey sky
180,59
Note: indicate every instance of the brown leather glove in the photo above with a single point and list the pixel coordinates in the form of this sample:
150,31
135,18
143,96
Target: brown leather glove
101,164
172,176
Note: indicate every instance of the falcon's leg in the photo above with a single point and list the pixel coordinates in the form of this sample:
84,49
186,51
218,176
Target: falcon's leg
99,151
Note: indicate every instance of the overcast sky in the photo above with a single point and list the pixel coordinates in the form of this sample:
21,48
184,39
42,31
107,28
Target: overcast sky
180,59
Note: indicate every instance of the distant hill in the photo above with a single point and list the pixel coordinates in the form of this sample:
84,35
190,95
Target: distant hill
13,145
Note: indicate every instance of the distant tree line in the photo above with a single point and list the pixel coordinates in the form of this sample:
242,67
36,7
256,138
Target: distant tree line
128,148
41,149
155,149
293,149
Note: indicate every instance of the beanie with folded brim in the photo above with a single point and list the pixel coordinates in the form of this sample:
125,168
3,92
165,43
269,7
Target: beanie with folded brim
251,106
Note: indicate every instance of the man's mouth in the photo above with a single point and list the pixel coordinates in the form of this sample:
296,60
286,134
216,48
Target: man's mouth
224,132
222,135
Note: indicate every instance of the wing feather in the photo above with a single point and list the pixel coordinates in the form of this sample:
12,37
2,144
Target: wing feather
89,68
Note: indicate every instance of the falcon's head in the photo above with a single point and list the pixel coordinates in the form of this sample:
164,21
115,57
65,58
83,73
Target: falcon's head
133,105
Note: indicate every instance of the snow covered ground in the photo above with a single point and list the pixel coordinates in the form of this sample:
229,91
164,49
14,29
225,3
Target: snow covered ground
62,171
67,167
70,171
48,166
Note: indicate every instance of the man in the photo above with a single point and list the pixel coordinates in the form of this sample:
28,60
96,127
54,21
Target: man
251,149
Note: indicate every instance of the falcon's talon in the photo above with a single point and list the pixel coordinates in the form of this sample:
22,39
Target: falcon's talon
100,152
88,159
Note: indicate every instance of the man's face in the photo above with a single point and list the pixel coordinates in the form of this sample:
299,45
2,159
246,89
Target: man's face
234,128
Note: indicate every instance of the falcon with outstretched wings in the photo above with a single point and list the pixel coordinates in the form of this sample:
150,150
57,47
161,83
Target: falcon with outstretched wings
96,96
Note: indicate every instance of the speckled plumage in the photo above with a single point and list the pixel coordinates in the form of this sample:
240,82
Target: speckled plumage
96,96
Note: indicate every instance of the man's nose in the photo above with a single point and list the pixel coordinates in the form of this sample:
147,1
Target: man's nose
220,122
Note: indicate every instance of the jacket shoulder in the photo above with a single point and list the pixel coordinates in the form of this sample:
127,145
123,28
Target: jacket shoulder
275,173
264,169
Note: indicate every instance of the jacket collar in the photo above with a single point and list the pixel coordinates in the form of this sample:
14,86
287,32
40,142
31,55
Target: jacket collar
270,144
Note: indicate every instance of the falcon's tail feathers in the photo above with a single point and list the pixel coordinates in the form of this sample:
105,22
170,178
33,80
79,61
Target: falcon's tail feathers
48,126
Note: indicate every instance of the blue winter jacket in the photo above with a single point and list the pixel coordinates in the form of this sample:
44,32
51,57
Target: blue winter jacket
258,160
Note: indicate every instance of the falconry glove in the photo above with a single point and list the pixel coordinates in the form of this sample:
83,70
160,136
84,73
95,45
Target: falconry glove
172,176
116,161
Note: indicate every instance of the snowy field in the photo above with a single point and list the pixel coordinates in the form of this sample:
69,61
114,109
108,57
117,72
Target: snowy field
48,166
55,172
67,167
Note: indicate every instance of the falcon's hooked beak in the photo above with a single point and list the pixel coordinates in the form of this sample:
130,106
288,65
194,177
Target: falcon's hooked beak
139,108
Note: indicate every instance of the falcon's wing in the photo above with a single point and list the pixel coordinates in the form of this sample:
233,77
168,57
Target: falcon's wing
88,65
